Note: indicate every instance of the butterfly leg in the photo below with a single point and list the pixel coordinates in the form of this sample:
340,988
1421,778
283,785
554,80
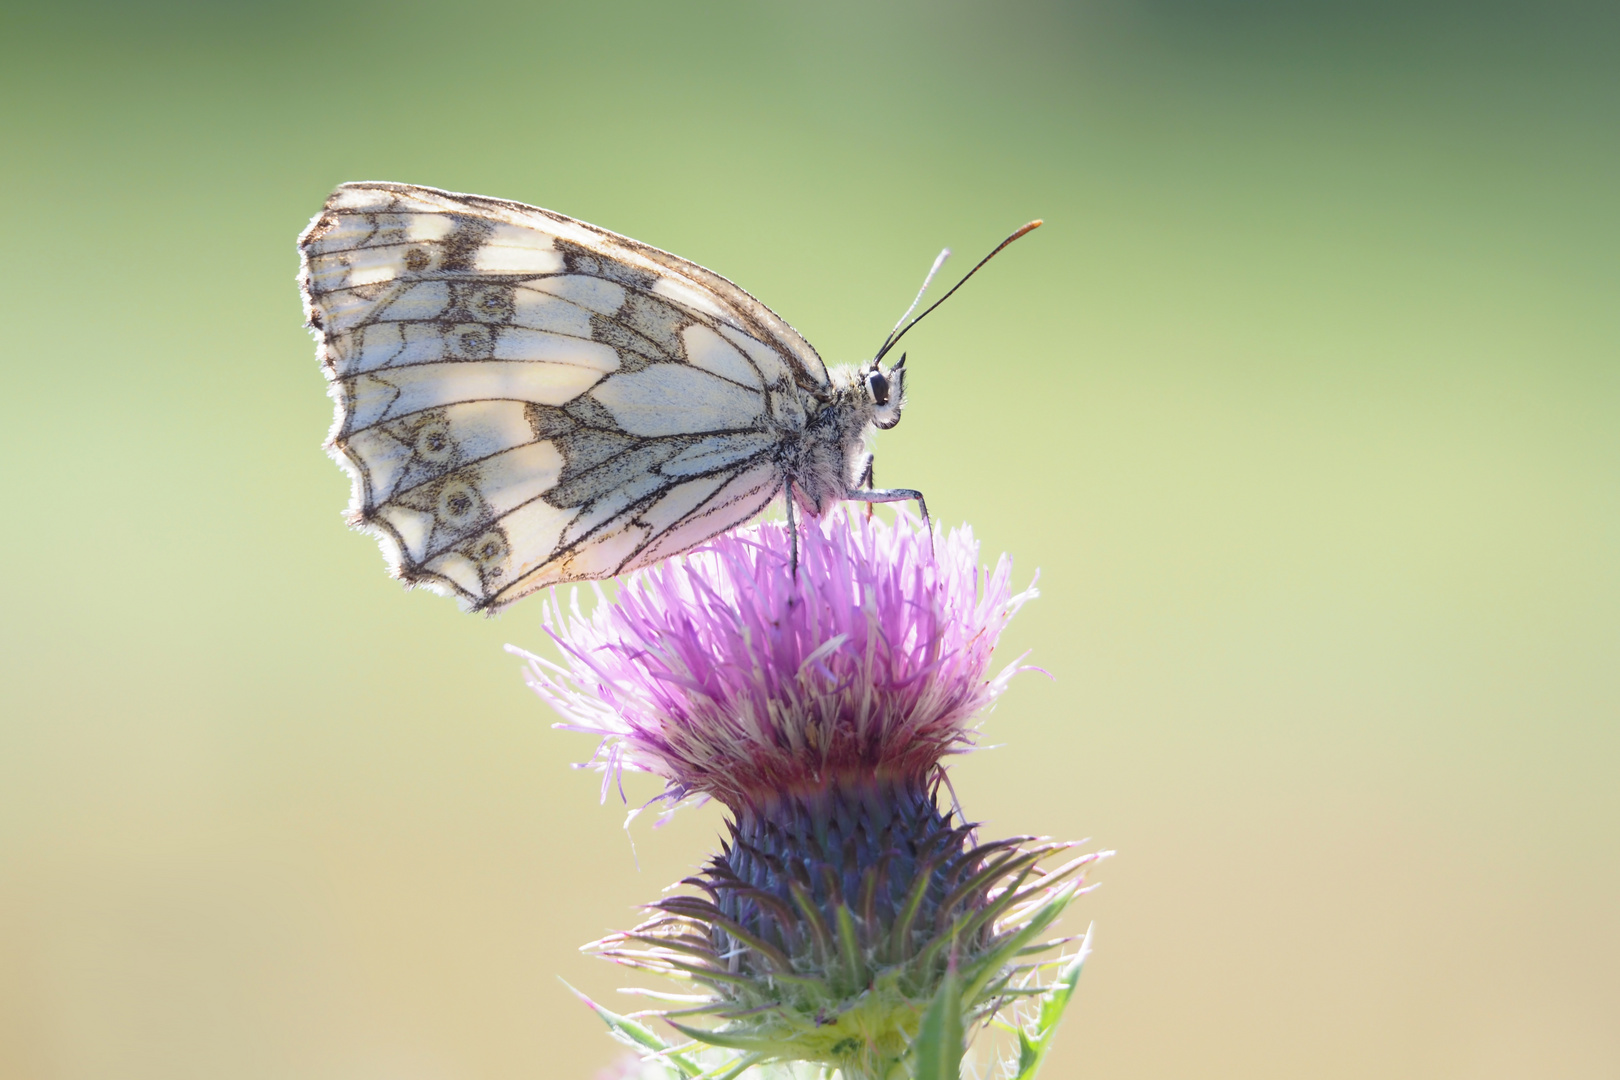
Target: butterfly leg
793,531
893,495
867,479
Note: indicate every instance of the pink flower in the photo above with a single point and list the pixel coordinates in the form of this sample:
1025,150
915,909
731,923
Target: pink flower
819,706
728,677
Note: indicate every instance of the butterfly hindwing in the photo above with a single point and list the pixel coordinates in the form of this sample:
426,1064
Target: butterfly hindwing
524,399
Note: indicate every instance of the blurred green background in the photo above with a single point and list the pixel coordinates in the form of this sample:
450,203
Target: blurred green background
1304,403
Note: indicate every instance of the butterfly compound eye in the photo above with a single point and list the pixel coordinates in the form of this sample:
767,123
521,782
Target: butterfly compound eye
877,384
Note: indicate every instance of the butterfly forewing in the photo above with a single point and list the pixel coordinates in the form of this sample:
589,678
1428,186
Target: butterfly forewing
524,399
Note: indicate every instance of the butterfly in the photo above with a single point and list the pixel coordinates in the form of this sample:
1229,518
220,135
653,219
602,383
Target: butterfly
523,399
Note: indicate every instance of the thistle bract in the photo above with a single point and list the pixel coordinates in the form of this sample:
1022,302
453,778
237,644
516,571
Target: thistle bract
818,706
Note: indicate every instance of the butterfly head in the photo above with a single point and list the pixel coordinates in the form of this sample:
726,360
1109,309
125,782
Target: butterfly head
886,391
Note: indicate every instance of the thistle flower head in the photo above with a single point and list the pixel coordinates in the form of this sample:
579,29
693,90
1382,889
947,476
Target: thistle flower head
729,675
818,706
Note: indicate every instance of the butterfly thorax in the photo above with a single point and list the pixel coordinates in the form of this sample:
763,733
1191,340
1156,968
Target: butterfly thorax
825,460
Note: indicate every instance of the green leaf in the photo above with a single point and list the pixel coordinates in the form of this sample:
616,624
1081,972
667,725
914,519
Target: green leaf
629,1031
1029,1055
1033,1044
938,1045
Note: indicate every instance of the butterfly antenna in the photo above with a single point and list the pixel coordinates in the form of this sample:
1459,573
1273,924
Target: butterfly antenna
895,336
939,261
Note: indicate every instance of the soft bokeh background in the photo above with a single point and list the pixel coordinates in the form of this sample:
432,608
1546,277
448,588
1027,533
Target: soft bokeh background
1304,403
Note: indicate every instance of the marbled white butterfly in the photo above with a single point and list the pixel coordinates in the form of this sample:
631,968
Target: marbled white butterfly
524,399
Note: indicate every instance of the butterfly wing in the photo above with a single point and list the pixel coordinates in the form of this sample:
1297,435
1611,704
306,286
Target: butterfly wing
523,399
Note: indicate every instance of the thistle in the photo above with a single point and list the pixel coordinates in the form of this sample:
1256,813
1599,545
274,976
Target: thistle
849,899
